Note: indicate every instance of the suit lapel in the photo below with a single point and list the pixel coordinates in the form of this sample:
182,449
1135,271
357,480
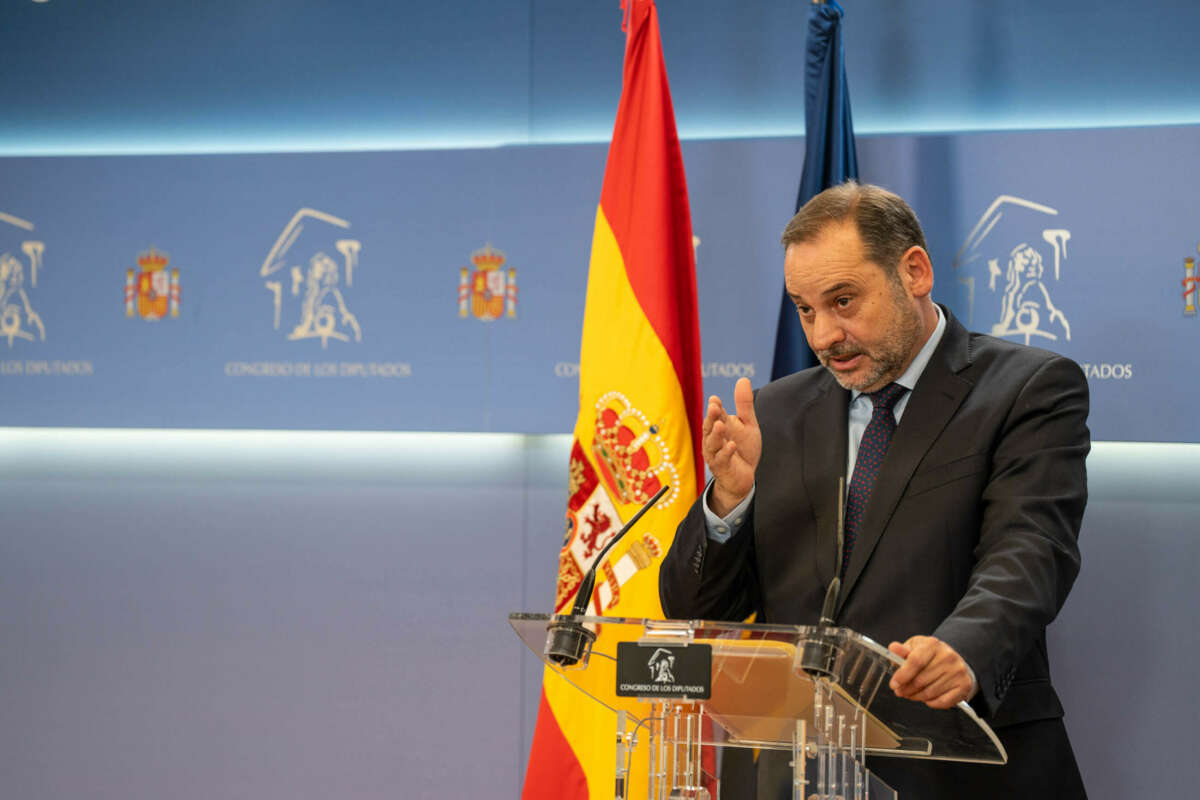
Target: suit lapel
824,461
936,397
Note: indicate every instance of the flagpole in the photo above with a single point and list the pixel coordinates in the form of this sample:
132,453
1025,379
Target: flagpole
829,156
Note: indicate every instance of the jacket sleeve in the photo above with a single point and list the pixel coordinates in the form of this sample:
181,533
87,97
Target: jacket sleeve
704,579
1027,556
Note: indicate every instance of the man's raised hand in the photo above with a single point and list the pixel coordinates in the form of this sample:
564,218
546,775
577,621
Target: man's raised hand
732,444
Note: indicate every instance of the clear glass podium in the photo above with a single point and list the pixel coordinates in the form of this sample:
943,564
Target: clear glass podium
677,687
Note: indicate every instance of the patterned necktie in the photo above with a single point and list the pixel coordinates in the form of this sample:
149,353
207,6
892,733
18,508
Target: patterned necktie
871,450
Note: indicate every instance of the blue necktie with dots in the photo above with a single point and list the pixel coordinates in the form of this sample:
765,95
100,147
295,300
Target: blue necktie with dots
871,450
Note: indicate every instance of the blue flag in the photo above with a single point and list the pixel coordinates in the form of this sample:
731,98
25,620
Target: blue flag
829,155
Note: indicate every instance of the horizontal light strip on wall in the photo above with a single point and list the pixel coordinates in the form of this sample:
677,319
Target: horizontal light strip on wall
1117,470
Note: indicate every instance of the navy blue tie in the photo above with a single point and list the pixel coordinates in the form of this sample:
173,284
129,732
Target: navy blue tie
871,450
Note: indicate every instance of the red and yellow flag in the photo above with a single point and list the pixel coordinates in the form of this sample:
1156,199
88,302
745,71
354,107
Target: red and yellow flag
640,408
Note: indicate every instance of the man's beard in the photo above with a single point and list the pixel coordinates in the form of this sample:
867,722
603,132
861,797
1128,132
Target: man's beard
887,359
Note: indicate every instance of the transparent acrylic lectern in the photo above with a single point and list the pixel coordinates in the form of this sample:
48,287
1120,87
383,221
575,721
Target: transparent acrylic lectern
820,693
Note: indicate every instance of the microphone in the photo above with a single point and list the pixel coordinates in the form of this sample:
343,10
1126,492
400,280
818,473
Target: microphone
566,642
819,652
835,585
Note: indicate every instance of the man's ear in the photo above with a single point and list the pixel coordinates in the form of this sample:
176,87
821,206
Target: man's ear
916,271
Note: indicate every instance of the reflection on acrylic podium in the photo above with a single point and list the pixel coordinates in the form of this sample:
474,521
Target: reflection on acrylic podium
677,687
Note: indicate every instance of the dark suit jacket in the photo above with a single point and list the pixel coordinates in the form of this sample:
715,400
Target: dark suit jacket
970,535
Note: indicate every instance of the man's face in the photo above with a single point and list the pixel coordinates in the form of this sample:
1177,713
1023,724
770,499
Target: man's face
864,326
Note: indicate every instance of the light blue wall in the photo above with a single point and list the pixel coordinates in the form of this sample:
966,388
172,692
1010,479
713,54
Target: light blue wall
301,615
201,614
1123,650
304,614
164,75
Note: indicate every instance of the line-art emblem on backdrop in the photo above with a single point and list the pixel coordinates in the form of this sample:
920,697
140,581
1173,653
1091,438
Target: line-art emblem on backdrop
632,464
487,291
1024,253
20,258
1191,285
317,264
151,292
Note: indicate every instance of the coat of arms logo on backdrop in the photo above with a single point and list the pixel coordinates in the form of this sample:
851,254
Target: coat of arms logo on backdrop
488,291
1191,286
151,292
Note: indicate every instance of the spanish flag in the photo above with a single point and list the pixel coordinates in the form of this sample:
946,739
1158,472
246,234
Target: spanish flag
640,409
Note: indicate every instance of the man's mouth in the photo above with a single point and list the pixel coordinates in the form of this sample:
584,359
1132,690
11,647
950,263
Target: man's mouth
843,361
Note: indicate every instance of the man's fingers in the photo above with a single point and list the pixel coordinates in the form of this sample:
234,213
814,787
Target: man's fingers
940,667
731,444
933,673
719,435
927,688
920,654
743,401
714,433
948,700
921,681
718,450
715,412
946,691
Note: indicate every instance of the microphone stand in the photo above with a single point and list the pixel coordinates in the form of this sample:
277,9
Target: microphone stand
819,652
568,641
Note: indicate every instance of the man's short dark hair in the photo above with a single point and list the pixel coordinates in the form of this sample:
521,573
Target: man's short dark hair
886,224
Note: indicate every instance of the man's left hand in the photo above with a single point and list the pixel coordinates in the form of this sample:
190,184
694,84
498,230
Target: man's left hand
933,673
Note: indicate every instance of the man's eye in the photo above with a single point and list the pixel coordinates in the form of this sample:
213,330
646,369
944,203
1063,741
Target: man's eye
842,302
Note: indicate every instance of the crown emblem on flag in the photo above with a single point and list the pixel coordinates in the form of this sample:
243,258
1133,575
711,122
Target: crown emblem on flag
632,457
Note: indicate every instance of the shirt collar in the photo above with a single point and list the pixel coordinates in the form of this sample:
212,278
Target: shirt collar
908,379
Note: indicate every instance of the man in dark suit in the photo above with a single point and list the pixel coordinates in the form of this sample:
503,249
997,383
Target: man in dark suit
965,534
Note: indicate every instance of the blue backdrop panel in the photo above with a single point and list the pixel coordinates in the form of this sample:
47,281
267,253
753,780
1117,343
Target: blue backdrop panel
1097,225
383,239
323,290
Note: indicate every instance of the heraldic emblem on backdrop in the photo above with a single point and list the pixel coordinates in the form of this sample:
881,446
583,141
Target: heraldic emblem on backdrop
18,319
313,302
1024,252
488,291
632,462
1191,286
151,292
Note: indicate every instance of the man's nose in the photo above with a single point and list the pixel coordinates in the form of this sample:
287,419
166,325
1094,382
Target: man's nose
824,331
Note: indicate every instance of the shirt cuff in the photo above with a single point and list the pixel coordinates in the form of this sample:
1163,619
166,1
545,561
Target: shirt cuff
721,528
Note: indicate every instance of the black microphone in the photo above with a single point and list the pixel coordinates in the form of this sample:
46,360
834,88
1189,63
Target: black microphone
835,585
566,642
819,653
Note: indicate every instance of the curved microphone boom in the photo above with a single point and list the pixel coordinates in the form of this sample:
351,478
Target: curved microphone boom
567,641
820,651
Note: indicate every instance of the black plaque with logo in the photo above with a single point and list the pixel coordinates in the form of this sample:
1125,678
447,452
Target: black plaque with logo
664,670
